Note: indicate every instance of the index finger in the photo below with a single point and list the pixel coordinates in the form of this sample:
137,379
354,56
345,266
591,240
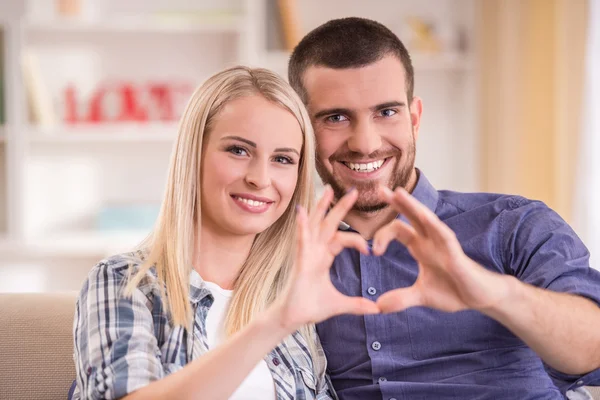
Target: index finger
408,208
337,213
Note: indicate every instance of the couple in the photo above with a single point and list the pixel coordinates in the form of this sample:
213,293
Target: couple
246,290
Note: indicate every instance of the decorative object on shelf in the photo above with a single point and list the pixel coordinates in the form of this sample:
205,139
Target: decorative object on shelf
290,24
422,36
127,102
68,8
127,217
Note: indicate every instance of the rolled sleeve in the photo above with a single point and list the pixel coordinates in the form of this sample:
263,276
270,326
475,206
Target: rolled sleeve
544,251
116,351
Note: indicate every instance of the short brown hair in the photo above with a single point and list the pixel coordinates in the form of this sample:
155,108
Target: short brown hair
347,43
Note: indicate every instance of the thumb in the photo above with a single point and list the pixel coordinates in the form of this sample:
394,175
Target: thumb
399,299
357,306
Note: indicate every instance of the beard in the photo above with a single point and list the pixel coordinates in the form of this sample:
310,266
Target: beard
368,199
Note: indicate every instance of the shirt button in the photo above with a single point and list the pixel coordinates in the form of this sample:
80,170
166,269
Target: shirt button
382,379
393,398
376,346
580,383
276,361
372,291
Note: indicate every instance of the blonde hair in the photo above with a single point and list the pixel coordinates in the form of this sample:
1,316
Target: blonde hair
170,246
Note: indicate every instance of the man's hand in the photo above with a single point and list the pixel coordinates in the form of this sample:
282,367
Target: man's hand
448,280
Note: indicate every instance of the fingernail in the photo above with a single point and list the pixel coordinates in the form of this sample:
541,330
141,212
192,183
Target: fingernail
375,247
297,207
386,190
353,188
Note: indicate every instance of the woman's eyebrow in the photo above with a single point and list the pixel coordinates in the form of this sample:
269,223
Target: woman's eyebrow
241,139
287,150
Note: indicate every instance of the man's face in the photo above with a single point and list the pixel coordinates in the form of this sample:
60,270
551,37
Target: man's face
365,128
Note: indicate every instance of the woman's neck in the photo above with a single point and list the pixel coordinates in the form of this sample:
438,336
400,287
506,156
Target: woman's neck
219,258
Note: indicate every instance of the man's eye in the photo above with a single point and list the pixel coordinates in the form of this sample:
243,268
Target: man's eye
336,118
237,150
388,112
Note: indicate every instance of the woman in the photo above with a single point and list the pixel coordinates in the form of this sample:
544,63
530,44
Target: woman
219,301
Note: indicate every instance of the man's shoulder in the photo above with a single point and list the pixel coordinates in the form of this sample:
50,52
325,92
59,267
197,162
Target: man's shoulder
486,203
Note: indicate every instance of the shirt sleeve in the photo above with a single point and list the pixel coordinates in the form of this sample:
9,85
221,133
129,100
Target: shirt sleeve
541,249
325,390
116,351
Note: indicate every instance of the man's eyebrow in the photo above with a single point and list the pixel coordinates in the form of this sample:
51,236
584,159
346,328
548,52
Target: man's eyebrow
388,104
333,111
287,150
241,139
347,111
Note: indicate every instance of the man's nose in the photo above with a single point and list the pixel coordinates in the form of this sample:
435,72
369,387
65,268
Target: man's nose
364,139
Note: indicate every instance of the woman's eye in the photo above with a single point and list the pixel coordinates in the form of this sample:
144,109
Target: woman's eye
336,118
283,160
237,150
388,112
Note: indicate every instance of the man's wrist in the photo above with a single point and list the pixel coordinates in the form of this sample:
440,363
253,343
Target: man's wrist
509,292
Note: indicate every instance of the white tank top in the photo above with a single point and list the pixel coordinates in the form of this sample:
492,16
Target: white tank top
259,384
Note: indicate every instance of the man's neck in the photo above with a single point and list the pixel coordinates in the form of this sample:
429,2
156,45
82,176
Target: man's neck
368,223
219,258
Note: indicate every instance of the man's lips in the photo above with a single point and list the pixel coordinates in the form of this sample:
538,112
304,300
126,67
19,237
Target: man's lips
365,166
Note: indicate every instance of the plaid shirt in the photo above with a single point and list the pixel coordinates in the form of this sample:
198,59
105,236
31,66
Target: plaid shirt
123,344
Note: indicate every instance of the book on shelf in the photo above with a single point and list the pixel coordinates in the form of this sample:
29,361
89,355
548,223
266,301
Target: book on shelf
290,23
2,86
39,100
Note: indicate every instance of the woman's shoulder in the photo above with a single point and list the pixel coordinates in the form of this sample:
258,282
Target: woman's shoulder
119,268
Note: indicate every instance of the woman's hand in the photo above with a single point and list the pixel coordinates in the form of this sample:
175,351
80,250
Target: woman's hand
310,297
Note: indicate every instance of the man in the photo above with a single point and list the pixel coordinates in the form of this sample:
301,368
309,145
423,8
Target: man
486,296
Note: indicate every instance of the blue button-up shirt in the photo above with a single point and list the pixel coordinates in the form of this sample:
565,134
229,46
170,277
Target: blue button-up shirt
423,353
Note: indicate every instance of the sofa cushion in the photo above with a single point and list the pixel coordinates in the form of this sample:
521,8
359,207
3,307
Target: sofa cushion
36,345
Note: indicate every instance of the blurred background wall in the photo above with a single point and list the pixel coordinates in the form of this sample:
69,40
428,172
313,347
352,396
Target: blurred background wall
91,91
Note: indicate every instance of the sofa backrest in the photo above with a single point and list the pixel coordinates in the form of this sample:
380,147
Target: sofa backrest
36,345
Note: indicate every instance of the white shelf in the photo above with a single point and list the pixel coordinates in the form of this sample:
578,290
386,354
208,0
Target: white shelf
106,133
79,244
231,24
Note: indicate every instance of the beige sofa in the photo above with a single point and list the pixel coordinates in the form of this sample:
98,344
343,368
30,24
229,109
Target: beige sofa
36,346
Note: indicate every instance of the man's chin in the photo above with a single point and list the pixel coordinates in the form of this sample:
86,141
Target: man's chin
369,207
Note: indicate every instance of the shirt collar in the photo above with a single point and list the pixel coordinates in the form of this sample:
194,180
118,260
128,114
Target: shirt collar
198,289
425,192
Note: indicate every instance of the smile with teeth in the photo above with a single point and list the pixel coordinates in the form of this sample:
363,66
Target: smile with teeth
252,203
364,167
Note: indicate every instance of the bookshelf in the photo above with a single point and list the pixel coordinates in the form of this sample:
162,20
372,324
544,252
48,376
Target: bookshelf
58,179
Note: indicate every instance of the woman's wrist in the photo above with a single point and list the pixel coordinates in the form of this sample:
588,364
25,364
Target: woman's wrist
279,317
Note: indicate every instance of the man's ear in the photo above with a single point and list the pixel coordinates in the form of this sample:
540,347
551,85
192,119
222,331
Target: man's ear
416,108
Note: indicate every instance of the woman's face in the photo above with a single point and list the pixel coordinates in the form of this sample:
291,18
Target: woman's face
249,166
